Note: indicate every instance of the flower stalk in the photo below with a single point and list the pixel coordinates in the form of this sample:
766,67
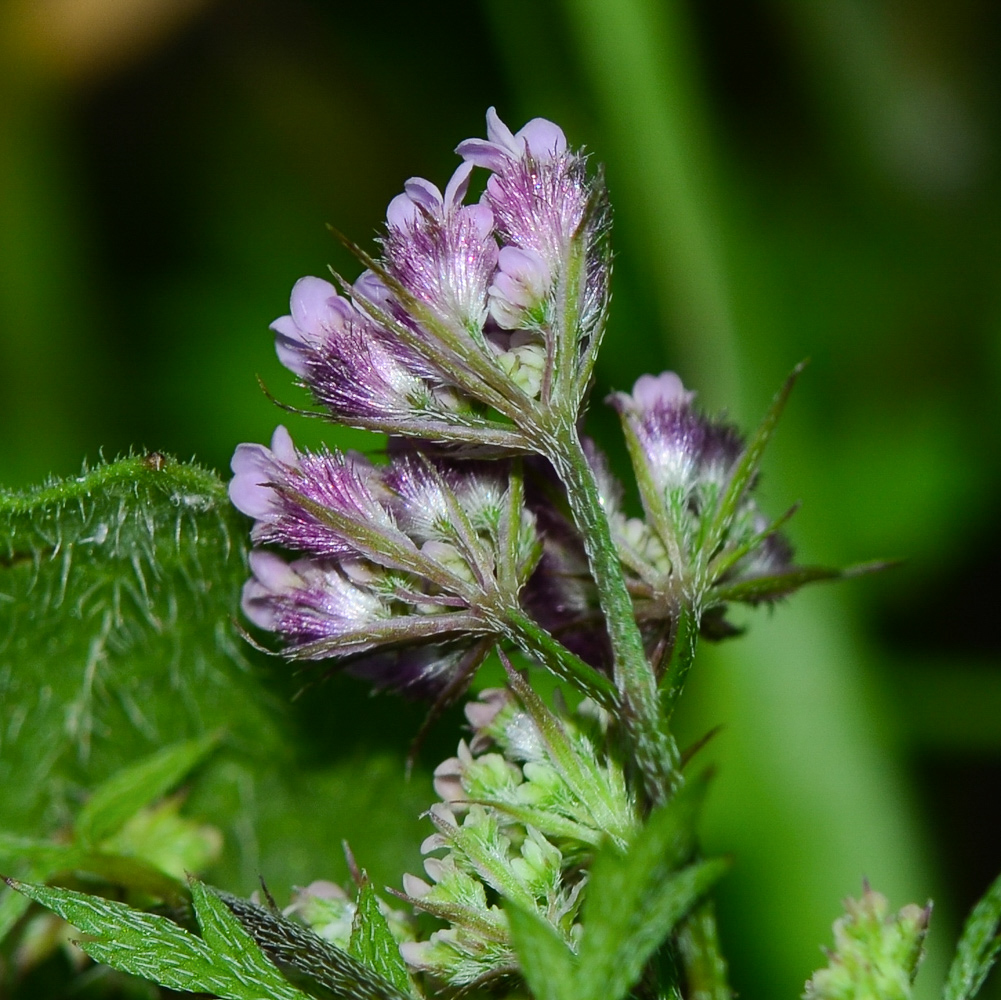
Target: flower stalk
656,753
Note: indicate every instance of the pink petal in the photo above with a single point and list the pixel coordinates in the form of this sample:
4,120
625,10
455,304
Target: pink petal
665,389
544,138
500,134
425,194
401,213
311,304
282,447
457,186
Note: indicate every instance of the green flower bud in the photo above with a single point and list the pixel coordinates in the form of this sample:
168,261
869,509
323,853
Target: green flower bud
876,953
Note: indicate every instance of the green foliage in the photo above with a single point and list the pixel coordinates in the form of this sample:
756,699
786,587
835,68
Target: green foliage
118,840
116,592
978,947
305,955
635,899
548,964
123,795
225,961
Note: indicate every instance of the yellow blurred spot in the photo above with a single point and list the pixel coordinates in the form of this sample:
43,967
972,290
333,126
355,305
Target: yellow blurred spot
83,39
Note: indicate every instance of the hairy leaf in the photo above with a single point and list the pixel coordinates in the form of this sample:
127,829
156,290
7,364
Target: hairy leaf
117,589
225,962
372,942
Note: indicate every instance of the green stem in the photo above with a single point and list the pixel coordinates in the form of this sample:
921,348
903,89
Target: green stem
656,755
701,958
682,654
534,639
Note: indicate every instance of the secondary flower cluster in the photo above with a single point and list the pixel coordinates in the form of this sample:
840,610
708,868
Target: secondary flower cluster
876,952
411,566
683,462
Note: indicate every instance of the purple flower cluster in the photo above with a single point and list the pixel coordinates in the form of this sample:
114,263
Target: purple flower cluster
475,321
477,316
473,337
408,567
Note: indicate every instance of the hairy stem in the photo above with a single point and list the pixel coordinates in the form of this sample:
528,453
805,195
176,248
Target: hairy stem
656,754
534,639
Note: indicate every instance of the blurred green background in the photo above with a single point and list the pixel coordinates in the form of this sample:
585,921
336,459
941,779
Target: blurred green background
791,179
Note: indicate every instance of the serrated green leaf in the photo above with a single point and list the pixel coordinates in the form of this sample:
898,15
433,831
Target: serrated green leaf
372,942
547,963
30,860
635,899
122,795
297,949
612,956
154,948
978,947
228,939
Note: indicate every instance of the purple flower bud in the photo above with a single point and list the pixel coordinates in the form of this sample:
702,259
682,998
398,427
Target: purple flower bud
538,190
306,600
354,367
441,251
679,445
268,484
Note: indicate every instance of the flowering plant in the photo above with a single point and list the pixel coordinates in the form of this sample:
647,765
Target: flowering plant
564,857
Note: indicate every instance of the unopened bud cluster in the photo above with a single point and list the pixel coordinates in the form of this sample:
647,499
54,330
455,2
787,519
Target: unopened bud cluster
524,807
876,952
